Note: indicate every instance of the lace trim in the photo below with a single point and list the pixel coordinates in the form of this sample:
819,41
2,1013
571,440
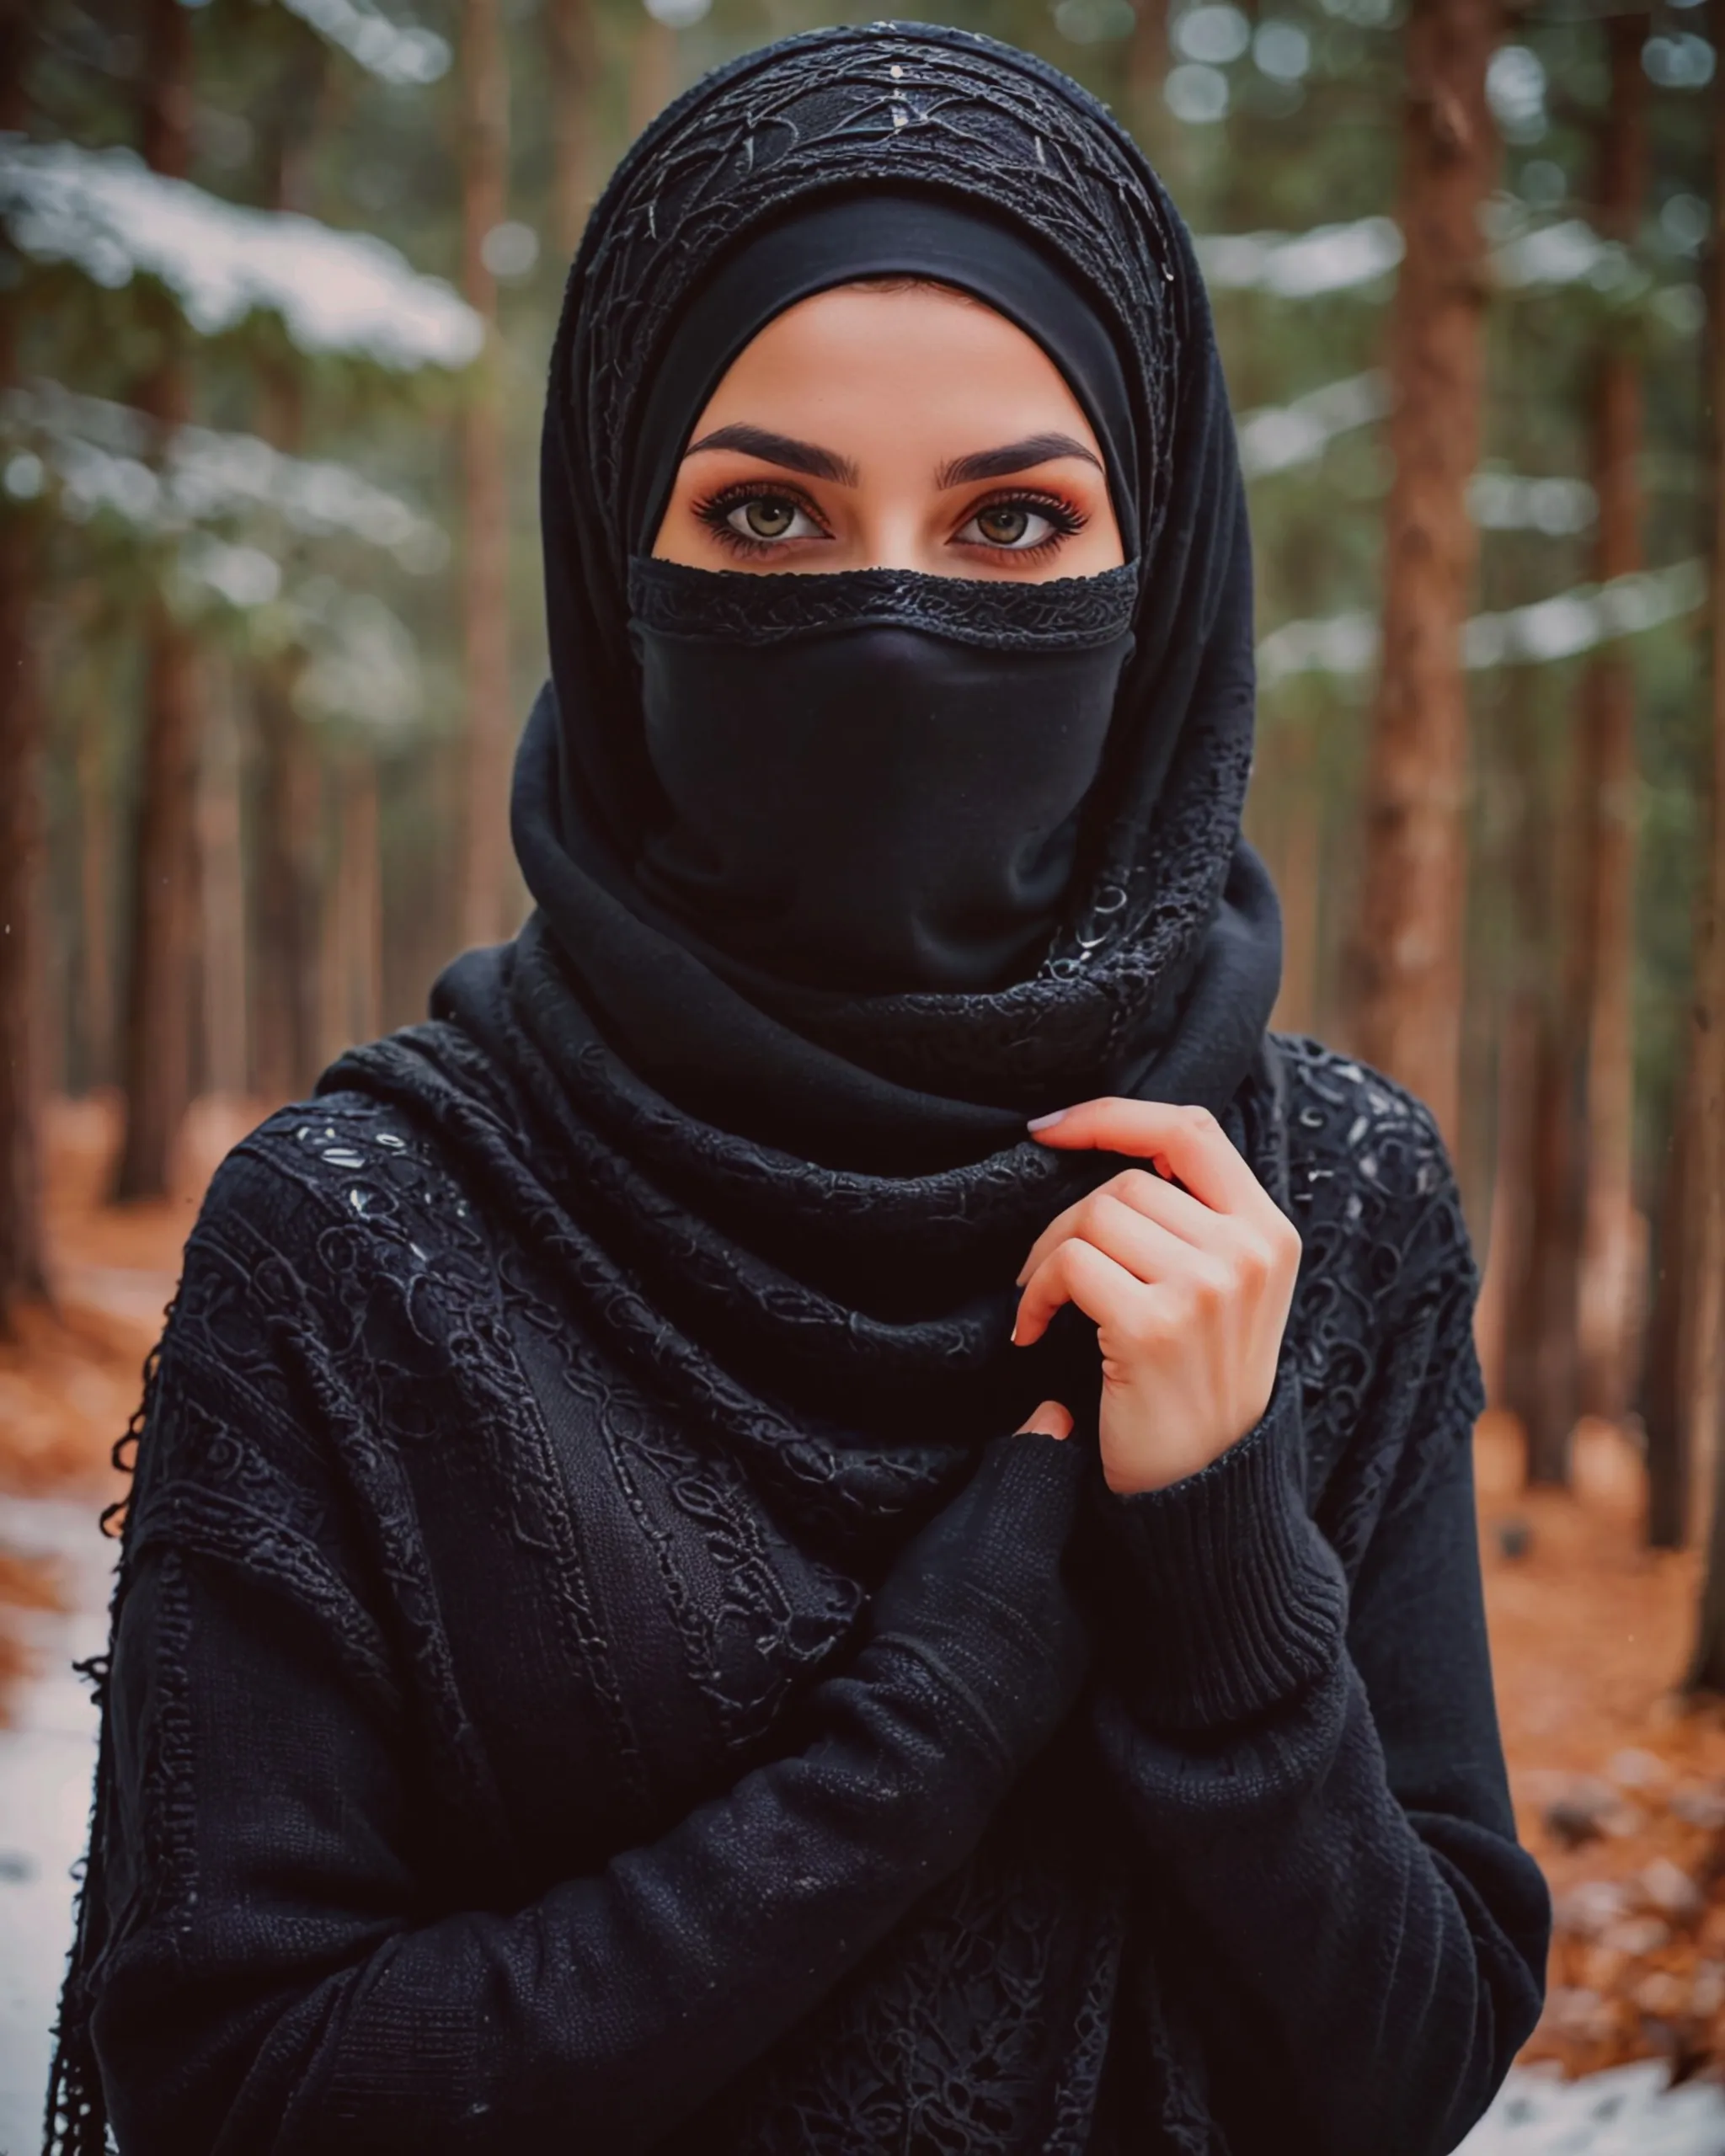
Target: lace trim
1069,613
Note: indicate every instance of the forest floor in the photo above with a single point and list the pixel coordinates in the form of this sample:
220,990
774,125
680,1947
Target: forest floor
1620,1790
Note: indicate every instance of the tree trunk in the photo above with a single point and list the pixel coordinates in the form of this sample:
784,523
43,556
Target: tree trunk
1540,1364
1298,880
157,1035
23,1268
1545,1036
352,971
1702,1365
653,66
23,1272
1146,72
226,1065
573,54
485,578
95,899
288,803
1662,1404
1509,1236
1404,969
1608,1295
156,1043
288,864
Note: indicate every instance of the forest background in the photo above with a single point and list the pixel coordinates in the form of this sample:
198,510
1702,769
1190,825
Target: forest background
278,281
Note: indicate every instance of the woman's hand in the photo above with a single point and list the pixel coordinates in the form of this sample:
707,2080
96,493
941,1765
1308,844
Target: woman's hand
1190,1288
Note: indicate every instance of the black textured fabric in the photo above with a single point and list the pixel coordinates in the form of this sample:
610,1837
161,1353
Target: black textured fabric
496,1751
894,803
498,1745
855,798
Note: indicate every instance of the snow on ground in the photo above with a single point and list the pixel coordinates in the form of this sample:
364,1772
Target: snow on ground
1626,2111
45,1762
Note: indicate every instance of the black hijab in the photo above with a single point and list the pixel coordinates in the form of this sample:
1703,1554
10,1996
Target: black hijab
844,154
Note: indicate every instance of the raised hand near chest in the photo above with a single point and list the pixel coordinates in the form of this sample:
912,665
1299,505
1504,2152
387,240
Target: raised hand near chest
1187,1266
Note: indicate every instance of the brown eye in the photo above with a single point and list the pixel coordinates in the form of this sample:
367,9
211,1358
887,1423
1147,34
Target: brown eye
1005,525
767,516
1029,525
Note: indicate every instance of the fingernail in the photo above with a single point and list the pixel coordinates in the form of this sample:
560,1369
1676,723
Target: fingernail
1042,1121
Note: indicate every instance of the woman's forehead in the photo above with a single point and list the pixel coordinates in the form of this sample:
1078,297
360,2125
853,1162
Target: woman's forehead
916,355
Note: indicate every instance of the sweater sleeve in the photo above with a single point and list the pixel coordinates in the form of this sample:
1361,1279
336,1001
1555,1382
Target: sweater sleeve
283,1974
278,1992
1317,1780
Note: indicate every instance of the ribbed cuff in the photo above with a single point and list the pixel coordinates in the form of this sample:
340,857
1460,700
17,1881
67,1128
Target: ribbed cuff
1226,1600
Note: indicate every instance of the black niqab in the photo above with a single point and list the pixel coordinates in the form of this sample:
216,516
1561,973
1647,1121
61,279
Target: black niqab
874,780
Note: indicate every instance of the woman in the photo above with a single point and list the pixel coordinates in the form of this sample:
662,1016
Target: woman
610,1652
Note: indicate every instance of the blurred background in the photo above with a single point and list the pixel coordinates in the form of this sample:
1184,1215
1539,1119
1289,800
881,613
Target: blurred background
278,281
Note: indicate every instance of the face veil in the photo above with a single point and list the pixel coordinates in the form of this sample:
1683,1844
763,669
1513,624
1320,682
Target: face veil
1133,943
874,780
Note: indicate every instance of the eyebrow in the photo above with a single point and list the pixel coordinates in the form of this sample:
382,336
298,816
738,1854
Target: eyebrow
1011,456
782,449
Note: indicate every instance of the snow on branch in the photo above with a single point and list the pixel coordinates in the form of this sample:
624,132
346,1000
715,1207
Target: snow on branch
393,52
1523,258
106,213
1559,627
1593,614
362,666
1302,265
1503,501
108,456
1280,436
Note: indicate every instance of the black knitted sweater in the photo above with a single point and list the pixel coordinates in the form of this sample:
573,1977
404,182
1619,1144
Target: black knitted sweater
467,1616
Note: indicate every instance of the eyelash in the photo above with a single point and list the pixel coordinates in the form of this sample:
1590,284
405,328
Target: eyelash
717,507
1066,519
714,512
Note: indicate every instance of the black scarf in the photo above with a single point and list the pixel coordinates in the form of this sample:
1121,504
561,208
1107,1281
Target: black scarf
1160,977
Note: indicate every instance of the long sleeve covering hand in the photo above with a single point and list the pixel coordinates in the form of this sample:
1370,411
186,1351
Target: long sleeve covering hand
273,1982
1313,1767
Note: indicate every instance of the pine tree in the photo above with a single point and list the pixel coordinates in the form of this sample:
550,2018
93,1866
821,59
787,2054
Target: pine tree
23,1268
572,54
1405,983
1700,1337
156,1050
1609,776
484,89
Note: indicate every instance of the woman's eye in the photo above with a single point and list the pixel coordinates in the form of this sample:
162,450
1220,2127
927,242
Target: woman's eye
771,516
1011,524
